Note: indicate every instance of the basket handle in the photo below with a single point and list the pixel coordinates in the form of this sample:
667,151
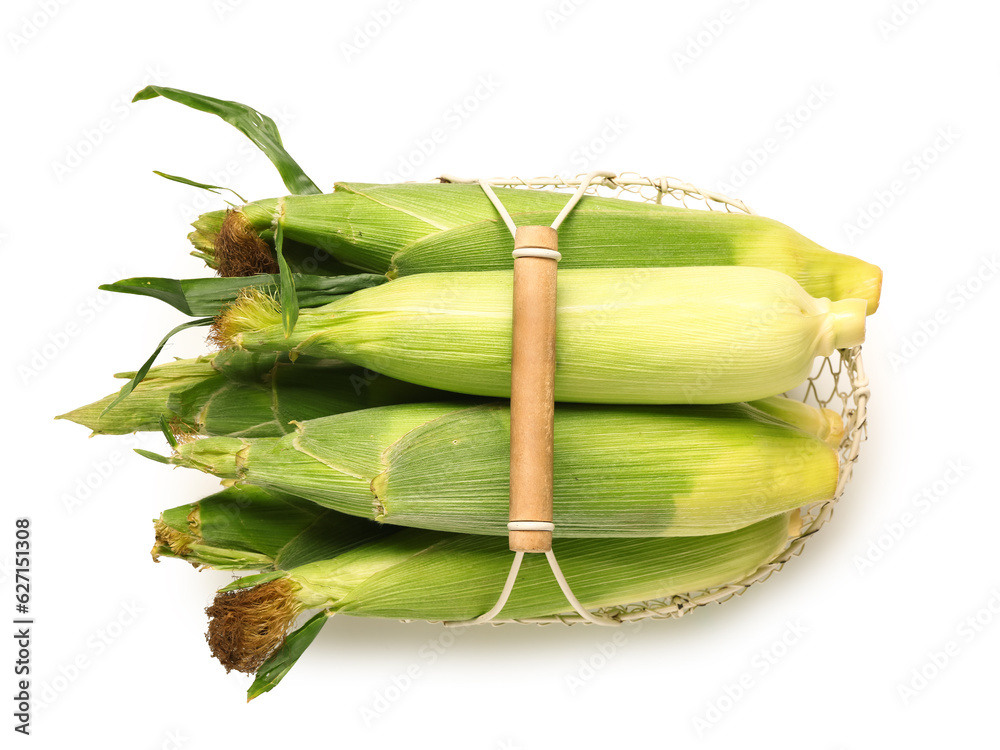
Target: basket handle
532,388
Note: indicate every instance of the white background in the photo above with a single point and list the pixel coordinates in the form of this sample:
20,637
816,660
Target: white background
685,89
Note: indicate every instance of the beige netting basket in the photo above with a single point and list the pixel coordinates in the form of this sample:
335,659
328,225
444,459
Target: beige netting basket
838,382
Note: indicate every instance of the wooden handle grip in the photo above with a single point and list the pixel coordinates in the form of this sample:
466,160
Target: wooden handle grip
532,388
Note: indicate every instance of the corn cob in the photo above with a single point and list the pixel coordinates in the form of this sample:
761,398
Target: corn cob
239,393
242,393
418,228
652,335
250,529
247,528
619,471
824,423
429,575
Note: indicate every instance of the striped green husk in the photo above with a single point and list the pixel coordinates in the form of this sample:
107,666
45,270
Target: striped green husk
619,471
247,394
418,228
429,575
824,423
435,576
645,335
235,529
248,528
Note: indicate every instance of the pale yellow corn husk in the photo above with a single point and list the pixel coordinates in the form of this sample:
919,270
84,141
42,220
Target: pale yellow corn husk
640,335
824,423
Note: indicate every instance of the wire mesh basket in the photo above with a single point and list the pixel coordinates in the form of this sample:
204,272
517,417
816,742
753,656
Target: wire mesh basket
838,382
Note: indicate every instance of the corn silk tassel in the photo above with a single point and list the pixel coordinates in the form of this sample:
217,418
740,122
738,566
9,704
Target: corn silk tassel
247,528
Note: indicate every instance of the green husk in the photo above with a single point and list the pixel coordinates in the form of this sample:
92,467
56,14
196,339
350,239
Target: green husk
242,393
281,661
217,189
619,471
139,375
418,228
260,129
248,528
412,228
824,423
435,576
210,296
645,335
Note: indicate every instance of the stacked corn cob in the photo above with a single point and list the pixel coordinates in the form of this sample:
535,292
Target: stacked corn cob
356,408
